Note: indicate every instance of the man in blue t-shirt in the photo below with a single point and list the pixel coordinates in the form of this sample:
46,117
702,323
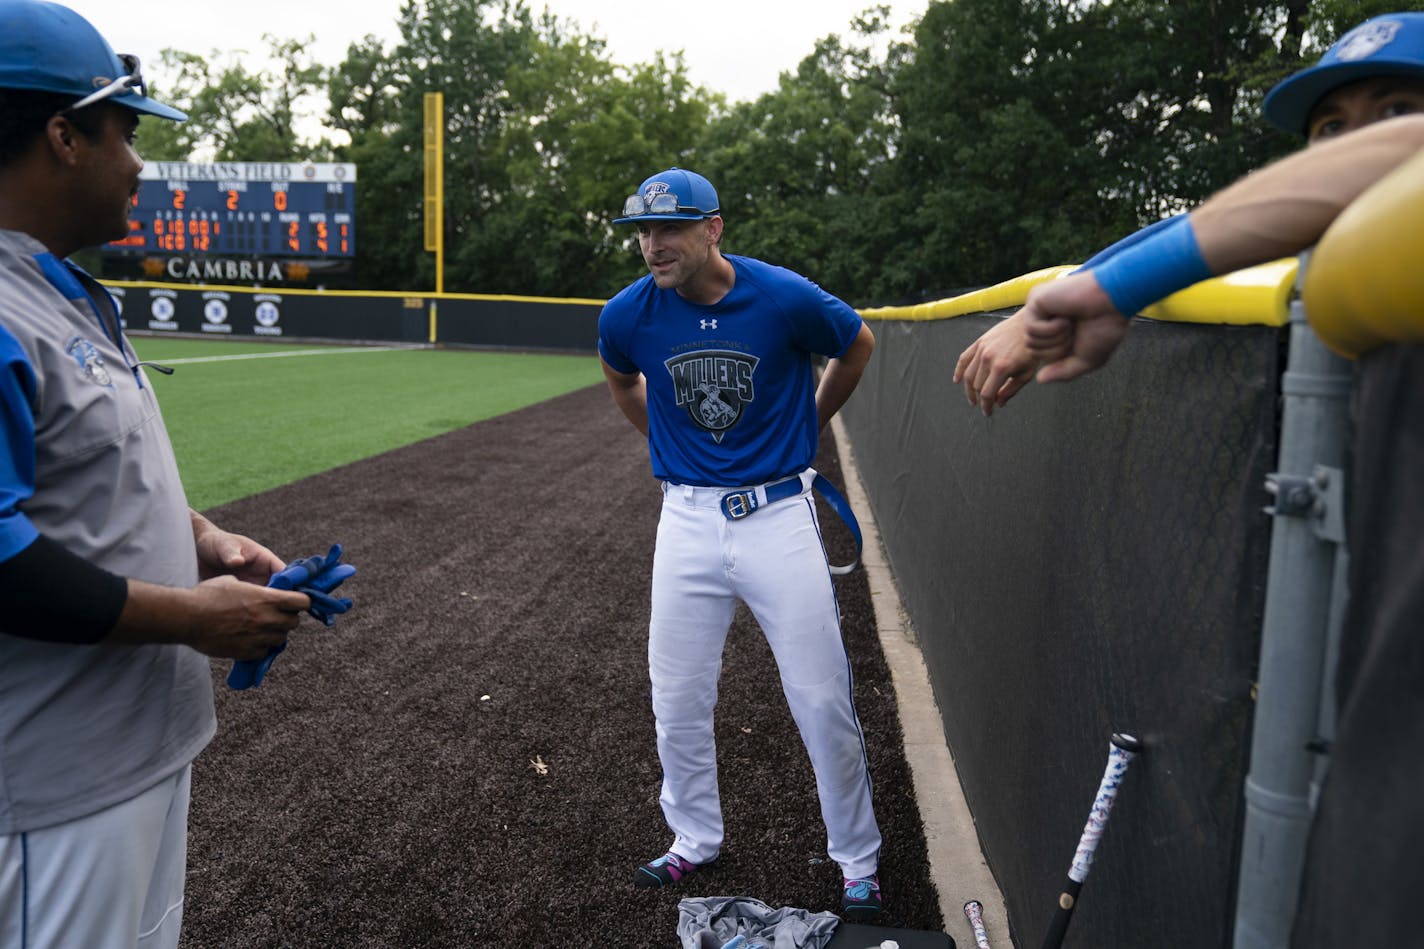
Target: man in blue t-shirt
711,356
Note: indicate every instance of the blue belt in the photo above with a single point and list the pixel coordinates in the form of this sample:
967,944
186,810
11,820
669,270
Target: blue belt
740,504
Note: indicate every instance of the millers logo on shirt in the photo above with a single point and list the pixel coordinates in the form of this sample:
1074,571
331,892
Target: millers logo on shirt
90,363
713,386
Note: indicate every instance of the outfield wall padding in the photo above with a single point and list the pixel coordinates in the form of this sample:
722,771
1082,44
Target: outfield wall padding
520,323
1090,559
458,320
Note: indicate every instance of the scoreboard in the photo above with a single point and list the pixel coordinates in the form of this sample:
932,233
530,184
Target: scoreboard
243,209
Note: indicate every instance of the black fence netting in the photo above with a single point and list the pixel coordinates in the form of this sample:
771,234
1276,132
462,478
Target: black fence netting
1091,559
1364,845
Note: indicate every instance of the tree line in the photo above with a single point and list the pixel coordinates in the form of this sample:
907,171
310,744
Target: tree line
991,138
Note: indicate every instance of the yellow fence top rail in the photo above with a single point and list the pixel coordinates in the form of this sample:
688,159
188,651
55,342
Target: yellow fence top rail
1255,296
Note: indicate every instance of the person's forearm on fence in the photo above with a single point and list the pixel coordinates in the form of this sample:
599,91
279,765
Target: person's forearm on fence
1284,208
1074,324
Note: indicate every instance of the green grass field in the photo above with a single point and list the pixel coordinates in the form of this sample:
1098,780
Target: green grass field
246,416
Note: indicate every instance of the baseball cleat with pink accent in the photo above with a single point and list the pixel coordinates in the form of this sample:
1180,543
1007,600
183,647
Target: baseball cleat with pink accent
860,898
664,871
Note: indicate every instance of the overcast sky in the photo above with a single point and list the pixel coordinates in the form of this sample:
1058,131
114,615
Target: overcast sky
738,47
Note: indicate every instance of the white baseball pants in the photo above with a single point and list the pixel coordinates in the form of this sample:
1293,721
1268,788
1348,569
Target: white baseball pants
774,561
111,880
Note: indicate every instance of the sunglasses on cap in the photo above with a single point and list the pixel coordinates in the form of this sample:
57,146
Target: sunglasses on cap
133,79
664,203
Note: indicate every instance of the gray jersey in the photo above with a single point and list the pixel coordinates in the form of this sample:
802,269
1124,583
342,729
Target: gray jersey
83,727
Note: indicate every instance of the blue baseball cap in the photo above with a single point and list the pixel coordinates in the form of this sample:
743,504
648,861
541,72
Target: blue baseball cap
1388,45
50,48
672,195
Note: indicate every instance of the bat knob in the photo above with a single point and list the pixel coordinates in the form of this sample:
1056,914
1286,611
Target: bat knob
1126,742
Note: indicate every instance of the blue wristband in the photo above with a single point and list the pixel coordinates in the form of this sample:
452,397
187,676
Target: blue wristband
1151,269
1112,250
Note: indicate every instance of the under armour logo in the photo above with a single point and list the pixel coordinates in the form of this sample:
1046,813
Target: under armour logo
708,324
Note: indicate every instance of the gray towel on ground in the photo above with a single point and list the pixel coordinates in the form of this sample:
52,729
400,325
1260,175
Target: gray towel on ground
725,917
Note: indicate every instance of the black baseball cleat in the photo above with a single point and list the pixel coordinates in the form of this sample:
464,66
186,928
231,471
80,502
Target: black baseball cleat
664,871
860,898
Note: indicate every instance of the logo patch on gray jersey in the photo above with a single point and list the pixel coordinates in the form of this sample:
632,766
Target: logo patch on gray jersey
89,361
714,386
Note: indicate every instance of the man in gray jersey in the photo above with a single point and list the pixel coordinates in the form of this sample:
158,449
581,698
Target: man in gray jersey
113,592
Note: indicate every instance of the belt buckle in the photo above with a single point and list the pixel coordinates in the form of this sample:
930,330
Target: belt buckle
738,504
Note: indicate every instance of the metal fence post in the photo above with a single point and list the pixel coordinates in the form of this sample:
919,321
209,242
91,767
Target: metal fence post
1295,632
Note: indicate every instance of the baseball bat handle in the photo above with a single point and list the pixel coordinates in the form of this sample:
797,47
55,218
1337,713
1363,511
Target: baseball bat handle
1067,900
1122,749
974,912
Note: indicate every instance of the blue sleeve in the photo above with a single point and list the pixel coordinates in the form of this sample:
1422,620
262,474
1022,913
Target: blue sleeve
849,323
17,466
836,327
611,346
818,322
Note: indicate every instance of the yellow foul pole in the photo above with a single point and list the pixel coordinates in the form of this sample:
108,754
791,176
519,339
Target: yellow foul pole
435,191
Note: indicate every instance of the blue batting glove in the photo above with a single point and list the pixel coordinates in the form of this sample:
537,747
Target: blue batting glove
247,673
315,576
321,572
325,607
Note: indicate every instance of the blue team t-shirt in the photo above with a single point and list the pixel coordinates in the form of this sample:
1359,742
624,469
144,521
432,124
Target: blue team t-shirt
731,385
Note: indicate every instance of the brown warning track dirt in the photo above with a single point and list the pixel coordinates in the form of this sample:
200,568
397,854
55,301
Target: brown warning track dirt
467,758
